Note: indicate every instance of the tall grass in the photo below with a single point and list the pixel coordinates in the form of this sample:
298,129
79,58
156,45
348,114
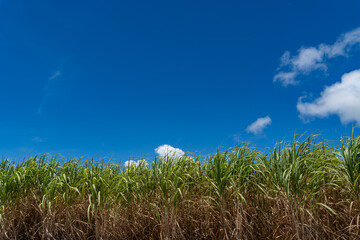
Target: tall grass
300,189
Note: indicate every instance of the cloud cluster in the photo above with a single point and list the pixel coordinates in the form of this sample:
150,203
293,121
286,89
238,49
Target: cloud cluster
309,59
341,98
169,151
259,125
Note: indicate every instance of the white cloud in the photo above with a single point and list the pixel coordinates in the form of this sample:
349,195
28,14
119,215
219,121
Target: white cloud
135,163
341,98
286,78
259,125
309,59
169,151
130,163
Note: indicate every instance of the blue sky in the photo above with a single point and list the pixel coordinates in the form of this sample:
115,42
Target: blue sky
120,78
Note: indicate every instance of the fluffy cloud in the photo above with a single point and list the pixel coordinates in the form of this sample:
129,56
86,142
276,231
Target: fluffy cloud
135,163
341,98
130,163
169,151
259,125
309,59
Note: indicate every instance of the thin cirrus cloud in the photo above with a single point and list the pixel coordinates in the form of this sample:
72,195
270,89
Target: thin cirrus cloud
38,139
169,151
259,125
55,75
341,98
48,90
309,59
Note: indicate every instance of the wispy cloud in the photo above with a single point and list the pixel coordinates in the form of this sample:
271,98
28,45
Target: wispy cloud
48,90
341,98
259,125
38,139
55,75
169,151
309,59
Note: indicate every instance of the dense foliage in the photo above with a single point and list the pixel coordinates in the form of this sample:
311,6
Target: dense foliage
301,189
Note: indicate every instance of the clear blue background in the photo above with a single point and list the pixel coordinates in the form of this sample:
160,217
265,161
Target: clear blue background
138,74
